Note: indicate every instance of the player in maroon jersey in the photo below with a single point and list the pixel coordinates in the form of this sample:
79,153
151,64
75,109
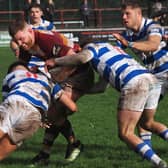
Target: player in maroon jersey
74,80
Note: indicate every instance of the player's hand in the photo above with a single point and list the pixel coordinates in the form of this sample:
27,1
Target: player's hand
121,39
50,63
45,124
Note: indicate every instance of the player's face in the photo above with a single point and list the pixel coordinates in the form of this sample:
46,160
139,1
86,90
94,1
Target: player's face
25,38
130,17
35,15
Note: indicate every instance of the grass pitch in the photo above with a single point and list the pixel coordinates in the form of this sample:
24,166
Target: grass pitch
95,125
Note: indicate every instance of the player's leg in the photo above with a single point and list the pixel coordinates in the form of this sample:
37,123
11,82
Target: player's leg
147,120
145,135
149,123
74,87
74,146
6,146
19,121
127,121
42,158
58,117
135,97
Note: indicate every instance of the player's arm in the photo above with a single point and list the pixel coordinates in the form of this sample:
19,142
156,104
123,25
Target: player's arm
68,102
99,87
59,95
70,60
151,44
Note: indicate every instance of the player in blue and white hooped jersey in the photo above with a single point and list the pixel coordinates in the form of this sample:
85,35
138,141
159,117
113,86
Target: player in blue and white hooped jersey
147,39
26,98
139,90
36,19
144,37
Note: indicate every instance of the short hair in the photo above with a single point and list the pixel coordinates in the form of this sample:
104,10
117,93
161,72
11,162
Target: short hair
15,64
14,27
132,3
35,5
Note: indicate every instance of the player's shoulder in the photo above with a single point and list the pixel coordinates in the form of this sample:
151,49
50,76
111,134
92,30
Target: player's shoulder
150,23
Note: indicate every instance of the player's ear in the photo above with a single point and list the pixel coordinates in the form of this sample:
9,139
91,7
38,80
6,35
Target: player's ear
42,14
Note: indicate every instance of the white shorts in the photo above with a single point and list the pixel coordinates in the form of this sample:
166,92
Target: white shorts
19,119
164,84
141,93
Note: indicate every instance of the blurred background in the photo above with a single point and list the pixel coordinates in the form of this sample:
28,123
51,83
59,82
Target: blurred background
102,16
103,13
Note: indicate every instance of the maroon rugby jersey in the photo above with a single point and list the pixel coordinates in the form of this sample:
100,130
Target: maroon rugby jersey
54,44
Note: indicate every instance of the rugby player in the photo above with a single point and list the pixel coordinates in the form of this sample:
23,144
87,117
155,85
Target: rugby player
26,98
144,37
74,80
139,93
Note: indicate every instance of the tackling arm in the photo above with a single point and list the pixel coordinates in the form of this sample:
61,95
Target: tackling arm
70,60
99,87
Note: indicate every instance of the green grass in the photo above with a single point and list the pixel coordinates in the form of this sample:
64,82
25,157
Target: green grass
95,125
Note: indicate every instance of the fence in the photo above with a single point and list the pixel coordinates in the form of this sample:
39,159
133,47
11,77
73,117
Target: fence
70,18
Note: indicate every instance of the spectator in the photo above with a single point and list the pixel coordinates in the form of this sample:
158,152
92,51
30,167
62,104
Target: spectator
156,7
49,10
85,12
161,17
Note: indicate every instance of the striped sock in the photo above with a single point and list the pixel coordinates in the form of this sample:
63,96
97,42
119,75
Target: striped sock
146,137
164,134
147,153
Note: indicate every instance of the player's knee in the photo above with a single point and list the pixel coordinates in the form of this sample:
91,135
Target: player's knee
124,135
147,125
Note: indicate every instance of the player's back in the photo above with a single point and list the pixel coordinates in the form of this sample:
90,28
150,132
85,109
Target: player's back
34,88
116,66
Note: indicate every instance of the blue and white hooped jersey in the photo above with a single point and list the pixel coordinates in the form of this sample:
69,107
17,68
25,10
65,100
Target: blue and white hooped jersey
112,63
157,61
35,88
44,25
36,62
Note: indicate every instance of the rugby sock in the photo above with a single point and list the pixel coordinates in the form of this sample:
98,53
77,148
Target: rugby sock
49,137
164,134
67,131
146,137
146,151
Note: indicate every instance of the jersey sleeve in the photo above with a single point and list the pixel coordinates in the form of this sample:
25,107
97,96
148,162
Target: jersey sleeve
5,89
39,64
155,29
56,92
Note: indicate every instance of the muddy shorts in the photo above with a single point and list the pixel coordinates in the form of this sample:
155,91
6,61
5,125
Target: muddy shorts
19,119
141,93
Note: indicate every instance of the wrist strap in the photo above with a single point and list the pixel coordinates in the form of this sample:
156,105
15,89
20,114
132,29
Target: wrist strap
130,44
